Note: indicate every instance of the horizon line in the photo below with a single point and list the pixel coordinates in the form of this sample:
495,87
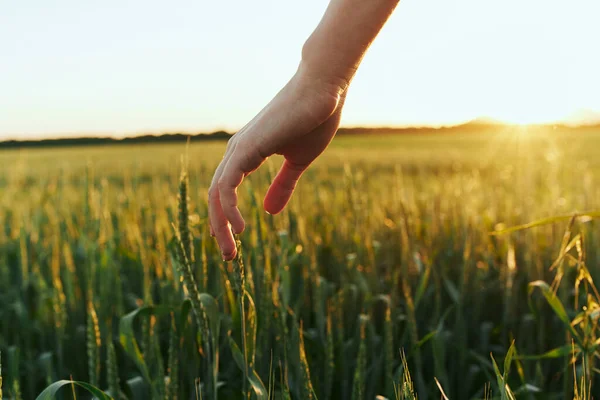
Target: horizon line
372,127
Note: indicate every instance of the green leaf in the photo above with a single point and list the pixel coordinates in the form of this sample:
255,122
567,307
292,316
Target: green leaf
527,388
50,392
558,308
505,392
422,286
127,336
499,377
426,339
508,359
547,221
184,313
554,353
257,386
452,290
129,343
136,388
211,308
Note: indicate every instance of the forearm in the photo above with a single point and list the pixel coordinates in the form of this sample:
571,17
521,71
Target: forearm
337,46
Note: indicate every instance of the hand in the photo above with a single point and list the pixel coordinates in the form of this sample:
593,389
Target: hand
298,124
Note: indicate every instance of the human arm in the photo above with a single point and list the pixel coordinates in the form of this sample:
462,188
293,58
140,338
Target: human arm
302,119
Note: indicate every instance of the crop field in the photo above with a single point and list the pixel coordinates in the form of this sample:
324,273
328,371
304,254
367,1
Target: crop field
393,272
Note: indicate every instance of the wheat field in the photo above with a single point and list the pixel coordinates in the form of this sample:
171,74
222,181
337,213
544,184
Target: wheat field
392,273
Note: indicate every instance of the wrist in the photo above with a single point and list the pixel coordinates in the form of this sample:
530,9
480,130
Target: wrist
316,96
321,78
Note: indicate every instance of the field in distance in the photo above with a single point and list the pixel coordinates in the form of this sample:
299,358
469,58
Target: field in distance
380,278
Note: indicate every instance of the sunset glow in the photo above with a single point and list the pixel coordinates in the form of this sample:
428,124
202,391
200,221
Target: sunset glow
72,68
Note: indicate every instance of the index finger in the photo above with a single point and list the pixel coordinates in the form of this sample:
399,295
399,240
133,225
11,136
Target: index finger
219,225
243,160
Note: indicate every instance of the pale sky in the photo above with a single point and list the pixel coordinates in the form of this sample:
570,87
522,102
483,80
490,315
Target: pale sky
120,67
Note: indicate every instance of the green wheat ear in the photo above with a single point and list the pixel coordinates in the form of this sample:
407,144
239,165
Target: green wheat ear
184,216
93,345
239,270
183,251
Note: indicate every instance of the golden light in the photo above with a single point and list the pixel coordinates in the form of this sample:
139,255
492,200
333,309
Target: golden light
522,121
536,110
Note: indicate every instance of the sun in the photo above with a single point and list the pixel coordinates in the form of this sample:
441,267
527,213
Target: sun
528,110
521,121
526,118
527,107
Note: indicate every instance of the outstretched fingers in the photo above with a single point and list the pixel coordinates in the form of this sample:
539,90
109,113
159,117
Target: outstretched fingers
219,225
283,186
228,183
224,214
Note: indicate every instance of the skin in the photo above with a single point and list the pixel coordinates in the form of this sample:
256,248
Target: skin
301,120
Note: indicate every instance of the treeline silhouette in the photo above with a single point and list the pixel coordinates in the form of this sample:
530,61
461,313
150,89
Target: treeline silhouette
475,126
168,138
95,141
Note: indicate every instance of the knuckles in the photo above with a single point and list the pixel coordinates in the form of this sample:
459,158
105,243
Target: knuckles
212,193
230,144
221,184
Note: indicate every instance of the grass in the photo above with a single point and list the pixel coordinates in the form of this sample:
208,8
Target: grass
382,278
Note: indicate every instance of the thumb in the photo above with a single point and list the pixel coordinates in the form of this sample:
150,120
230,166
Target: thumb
283,186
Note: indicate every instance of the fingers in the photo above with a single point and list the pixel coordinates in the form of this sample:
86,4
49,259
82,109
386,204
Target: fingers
243,160
220,226
225,218
228,183
283,186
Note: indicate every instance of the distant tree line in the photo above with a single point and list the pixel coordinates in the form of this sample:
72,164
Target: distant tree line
176,138
476,126
91,141
165,138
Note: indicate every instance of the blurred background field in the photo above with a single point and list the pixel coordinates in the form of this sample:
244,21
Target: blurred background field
385,247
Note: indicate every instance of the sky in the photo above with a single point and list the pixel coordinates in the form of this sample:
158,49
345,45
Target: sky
125,67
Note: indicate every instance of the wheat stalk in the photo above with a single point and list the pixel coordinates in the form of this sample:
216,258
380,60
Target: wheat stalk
93,344
173,389
306,389
184,216
358,387
113,370
185,268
